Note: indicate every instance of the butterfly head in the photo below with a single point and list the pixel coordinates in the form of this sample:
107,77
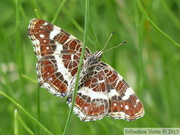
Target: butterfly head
94,59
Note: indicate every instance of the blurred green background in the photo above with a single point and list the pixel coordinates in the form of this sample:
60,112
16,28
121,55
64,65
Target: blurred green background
148,61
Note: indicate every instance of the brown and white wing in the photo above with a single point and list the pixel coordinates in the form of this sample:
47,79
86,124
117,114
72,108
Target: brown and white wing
106,93
123,101
58,55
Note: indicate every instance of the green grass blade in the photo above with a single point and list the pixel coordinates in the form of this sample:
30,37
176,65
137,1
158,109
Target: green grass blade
19,51
36,8
72,20
58,11
26,113
37,13
154,25
15,123
18,118
170,13
79,66
140,46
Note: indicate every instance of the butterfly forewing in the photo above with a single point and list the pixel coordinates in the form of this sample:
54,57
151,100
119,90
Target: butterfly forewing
101,91
58,53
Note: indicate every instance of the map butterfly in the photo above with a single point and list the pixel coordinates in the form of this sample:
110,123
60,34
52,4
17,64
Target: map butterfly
101,90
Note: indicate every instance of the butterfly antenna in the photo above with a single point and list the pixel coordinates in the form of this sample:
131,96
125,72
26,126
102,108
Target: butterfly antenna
108,40
115,46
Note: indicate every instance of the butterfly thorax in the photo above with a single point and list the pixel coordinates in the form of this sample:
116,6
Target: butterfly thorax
93,60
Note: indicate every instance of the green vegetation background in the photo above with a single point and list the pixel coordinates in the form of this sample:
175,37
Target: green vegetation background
148,61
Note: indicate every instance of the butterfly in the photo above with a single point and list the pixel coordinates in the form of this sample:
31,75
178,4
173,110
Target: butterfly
102,91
